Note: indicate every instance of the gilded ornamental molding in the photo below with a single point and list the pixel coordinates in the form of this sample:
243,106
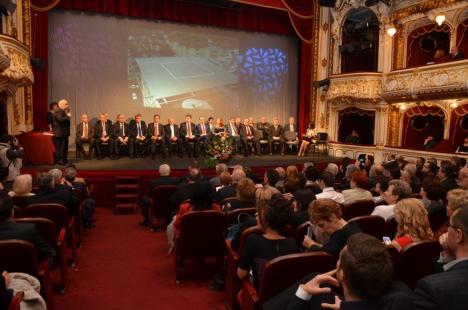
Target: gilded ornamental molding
19,72
439,81
355,88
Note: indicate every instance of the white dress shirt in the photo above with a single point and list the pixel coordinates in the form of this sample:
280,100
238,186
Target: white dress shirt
385,211
329,192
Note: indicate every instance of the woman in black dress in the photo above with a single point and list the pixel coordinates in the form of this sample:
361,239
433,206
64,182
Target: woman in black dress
50,115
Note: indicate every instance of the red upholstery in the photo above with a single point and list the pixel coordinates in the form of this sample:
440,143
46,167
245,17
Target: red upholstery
20,201
391,228
48,232
161,207
237,216
416,261
25,260
197,239
58,214
16,301
290,269
373,225
358,208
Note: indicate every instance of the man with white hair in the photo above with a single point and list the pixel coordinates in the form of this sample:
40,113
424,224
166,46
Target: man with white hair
220,168
164,179
61,130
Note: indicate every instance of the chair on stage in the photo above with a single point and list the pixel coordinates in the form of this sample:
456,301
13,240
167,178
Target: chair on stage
358,208
197,240
322,142
261,141
290,269
161,207
48,232
416,261
25,260
373,225
58,214
291,140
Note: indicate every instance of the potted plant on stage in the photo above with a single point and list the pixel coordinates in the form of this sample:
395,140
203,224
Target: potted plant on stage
219,151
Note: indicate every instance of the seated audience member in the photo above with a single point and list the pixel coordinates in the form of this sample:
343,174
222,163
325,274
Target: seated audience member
345,162
103,136
220,168
463,178
333,168
358,191
381,186
408,175
448,175
429,169
326,182
282,175
420,161
364,272
292,171
312,174
291,185
350,170
306,165
47,192
57,174
22,186
201,200
447,289
353,138
251,175
464,147
456,198
265,193
431,196
156,135
22,231
306,140
270,178
245,195
183,190
84,135
272,217
456,54
138,131
303,195
225,179
230,190
397,190
429,143
413,223
122,137
326,214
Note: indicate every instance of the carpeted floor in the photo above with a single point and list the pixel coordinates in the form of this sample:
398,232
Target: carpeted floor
124,266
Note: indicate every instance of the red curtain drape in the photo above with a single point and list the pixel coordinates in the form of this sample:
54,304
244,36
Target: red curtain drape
356,119
462,36
414,138
267,17
457,132
415,55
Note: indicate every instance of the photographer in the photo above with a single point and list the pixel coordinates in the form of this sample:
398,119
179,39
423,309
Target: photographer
11,156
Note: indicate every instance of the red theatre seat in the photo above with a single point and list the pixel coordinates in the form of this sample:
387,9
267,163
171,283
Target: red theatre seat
161,207
358,208
373,225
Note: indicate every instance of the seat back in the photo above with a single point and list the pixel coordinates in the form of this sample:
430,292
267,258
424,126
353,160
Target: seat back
23,260
437,220
416,261
290,135
45,227
358,208
238,216
301,231
290,269
373,225
391,228
57,213
161,206
225,201
202,234
20,201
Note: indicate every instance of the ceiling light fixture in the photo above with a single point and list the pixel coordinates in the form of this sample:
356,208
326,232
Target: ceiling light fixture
440,19
391,30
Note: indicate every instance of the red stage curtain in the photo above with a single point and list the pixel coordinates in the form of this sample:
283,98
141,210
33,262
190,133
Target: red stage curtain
457,132
415,55
269,17
462,36
357,119
414,138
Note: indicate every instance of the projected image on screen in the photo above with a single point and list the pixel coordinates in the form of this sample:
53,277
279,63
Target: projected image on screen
135,66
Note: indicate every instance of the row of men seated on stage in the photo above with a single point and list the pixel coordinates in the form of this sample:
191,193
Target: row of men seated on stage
140,138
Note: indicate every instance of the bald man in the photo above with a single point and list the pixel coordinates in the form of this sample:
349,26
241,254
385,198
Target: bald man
61,130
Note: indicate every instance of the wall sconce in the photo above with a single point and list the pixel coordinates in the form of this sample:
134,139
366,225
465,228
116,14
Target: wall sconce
440,19
391,30
403,107
454,104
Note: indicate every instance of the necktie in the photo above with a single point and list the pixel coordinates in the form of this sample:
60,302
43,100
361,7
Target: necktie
139,130
248,130
203,129
85,130
156,127
104,133
122,129
189,130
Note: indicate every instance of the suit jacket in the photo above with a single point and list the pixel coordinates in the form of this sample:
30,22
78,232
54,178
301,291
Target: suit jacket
225,192
98,129
243,131
183,192
167,131
355,194
229,129
445,290
60,194
134,129
183,132
164,180
198,129
151,130
79,130
286,128
117,132
449,184
61,124
26,232
278,132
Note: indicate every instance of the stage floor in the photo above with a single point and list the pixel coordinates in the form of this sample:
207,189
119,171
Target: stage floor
125,163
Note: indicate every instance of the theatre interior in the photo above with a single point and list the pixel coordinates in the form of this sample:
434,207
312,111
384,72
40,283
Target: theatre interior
370,98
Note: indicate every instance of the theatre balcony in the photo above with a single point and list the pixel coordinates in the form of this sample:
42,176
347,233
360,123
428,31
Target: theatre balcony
15,65
439,81
363,87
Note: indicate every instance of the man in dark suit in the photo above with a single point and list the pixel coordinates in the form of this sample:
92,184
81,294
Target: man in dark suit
103,136
247,135
276,136
61,130
234,133
203,133
188,136
183,190
447,289
448,175
365,273
138,131
156,135
164,179
172,138
84,135
290,126
22,231
122,137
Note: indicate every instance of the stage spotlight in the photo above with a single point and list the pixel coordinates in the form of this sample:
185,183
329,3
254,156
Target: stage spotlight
327,3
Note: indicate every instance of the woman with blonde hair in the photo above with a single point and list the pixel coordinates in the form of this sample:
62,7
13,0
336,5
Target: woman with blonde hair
456,198
413,223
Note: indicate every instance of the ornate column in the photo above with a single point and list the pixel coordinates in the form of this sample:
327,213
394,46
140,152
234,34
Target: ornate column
393,125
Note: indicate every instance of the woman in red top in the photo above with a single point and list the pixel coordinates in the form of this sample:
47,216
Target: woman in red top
413,223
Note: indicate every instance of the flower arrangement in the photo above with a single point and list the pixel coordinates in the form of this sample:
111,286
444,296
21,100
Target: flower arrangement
220,150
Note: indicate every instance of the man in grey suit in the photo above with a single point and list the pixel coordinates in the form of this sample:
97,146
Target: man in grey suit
84,135
448,289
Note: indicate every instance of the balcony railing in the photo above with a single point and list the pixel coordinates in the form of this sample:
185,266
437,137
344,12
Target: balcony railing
15,62
351,87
